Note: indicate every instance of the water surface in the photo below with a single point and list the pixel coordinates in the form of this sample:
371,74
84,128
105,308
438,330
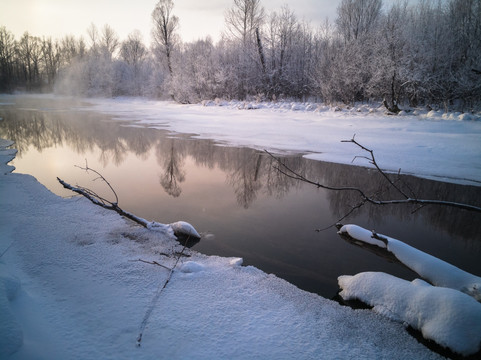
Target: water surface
235,196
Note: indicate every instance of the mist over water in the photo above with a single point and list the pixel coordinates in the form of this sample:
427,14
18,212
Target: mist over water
235,196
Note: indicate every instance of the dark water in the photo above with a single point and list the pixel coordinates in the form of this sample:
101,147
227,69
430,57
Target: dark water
235,196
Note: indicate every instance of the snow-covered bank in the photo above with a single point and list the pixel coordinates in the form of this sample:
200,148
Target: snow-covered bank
74,288
428,144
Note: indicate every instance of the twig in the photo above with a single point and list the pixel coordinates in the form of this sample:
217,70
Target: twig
8,247
151,307
87,169
353,208
373,161
152,263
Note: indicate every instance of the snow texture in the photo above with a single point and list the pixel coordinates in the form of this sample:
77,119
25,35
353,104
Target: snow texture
449,317
73,288
433,269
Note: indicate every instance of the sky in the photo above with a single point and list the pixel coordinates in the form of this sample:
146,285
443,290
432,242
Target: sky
198,18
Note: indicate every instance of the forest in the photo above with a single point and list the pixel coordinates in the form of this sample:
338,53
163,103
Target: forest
427,54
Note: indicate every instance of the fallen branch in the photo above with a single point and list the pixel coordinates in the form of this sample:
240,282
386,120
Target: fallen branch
405,198
106,204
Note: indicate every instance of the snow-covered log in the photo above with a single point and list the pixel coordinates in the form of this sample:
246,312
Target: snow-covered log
430,268
448,317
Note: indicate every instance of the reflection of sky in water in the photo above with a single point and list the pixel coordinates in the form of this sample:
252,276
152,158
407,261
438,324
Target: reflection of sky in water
237,196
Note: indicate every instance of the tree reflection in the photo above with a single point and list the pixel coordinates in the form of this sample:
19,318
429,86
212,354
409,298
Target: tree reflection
248,171
244,177
171,162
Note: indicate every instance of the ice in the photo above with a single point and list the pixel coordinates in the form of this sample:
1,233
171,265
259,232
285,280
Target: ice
421,143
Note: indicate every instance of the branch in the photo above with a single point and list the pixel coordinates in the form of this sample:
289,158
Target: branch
372,160
405,198
87,169
97,200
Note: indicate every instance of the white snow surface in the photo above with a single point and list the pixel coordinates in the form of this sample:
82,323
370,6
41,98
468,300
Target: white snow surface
72,287
447,316
433,269
428,144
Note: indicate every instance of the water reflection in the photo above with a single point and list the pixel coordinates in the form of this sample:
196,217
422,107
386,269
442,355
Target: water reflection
171,160
248,171
272,226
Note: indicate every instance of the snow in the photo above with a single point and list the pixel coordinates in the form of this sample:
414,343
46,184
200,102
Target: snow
429,144
448,313
75,285
436,271
184,228
449,317
78,281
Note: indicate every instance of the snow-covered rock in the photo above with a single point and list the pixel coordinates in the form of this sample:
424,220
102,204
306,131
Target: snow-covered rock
185,229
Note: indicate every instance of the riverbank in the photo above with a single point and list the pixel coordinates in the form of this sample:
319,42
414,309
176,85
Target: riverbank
73,287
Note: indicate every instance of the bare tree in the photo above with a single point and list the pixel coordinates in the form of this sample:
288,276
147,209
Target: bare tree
357,18
132,50
243,19
7,54
94,37
109,40
164,31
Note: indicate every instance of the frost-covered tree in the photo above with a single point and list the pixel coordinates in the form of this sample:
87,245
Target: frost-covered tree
130,71
357,18
243,18
164,32
109,40
29,56
243,23
197,77
388,70
7,58
51,60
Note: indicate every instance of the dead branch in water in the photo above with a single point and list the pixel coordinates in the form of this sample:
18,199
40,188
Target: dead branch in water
405,198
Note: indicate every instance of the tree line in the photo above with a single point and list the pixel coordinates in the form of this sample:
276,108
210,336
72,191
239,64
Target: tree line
426,54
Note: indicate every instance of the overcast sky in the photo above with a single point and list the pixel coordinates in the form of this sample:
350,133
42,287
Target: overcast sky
198,18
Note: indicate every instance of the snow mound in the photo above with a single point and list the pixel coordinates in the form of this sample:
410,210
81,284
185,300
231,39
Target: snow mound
185,229
436,271
191,267
236,262
449,317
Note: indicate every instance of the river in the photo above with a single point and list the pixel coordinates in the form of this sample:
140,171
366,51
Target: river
235,196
